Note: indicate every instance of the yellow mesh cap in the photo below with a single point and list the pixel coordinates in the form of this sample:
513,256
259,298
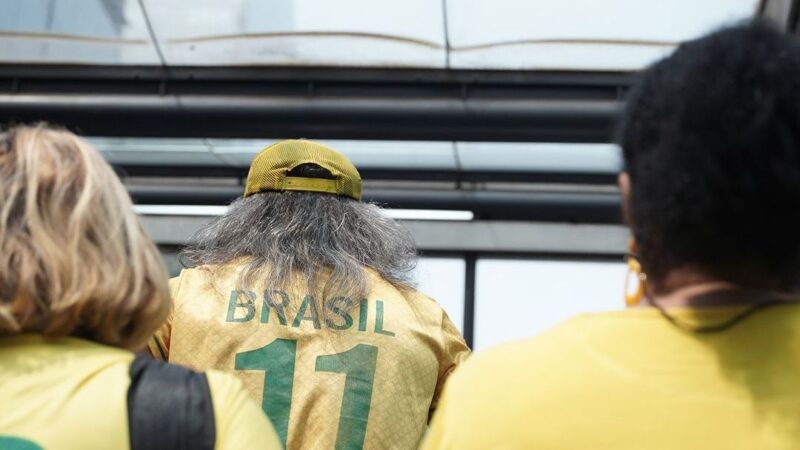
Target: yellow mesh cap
268,171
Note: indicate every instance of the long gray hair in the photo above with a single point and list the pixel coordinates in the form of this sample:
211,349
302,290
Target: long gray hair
281,234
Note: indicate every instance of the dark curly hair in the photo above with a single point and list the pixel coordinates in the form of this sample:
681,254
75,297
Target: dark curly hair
711,140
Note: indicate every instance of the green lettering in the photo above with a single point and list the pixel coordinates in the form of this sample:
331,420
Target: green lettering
333,307
358,365
301,313
362,314
280,307
249,306
379,319
277,360
15,443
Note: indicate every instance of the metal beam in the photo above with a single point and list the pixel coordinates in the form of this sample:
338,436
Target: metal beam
475,236
397,119
388,173
318,103
573,207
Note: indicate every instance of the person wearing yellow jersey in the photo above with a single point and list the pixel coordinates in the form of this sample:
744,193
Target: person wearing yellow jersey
708,354
81,285
304,292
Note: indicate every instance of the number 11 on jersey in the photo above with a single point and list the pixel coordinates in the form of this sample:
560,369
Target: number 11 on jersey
277,360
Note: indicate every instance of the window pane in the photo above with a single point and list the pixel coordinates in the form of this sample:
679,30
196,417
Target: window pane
519,298
364,154
539,157
579,34
497,34
371,154
77,31
443,280
300,32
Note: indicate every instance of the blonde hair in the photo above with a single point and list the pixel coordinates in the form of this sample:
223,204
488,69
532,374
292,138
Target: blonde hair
74,259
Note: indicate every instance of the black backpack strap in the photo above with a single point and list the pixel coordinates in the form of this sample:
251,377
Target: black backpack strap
169,407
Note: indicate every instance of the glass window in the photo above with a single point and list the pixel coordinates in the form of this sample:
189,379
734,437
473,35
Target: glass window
372,154
300,32
481,34
579,34
364,154
240,152
77,31
443,280
516,298
157,151
539,157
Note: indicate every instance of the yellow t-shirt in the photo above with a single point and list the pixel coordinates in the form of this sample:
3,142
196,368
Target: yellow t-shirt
71,394
631,380
343,374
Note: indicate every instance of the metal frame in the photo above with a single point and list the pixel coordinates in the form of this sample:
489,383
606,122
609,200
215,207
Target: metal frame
570,206
387,173
470,264
785,14
350,103
559,240
470,274
246,102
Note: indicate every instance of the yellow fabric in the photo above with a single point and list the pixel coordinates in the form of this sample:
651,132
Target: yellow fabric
414,345
630,380
268,170
66,393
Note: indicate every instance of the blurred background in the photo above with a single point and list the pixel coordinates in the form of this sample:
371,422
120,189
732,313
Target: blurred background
485,126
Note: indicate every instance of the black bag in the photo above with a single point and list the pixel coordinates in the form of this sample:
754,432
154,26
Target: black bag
169,407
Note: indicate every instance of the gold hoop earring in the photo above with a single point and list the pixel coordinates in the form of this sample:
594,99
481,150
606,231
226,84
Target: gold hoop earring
634,296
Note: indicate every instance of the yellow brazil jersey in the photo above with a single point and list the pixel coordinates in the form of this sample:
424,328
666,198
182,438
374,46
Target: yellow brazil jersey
71,394
337,374
631,380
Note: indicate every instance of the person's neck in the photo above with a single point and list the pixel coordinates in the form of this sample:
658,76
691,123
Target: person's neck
688,295
691,288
